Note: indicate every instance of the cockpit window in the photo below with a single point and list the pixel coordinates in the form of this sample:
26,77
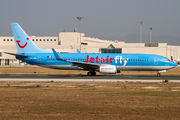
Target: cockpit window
166,60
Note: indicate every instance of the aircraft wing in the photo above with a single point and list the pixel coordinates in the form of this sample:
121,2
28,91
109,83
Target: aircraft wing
85,65
16,54
77,63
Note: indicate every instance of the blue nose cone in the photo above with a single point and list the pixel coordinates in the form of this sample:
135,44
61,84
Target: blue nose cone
173,64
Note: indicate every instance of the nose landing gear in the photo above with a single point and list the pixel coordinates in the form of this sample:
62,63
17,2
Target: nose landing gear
158,74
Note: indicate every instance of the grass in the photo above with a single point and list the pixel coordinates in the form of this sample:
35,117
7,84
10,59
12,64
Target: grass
142,89
124,85
103,100
8,84
85,102
166,80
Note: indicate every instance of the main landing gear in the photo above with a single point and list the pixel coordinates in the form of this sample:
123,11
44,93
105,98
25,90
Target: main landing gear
158,74
91,73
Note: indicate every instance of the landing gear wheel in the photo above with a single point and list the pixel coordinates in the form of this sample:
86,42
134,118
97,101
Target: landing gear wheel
158,74
91,73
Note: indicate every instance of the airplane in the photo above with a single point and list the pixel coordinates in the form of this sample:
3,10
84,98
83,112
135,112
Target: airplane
104,63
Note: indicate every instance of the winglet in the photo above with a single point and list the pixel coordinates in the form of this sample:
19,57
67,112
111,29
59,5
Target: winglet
56,55
78,51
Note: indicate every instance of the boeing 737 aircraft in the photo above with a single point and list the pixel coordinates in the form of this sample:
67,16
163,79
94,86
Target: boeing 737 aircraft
105,63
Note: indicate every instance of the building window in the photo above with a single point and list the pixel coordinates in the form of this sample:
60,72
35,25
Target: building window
11,40
4,39
59,43
6,61
32,39
54,39
111,49
47,39
51,39
0,54
7,39
36,39
84,43
43,39
39,39
151,44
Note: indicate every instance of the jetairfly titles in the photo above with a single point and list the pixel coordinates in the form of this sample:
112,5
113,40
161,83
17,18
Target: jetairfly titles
106,60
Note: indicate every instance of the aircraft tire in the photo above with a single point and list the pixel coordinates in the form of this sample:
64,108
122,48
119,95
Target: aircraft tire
89,74
158,74
93,73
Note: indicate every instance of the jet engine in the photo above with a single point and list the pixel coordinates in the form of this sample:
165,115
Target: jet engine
108,69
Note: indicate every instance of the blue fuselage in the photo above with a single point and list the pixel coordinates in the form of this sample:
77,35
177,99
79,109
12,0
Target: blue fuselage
121,61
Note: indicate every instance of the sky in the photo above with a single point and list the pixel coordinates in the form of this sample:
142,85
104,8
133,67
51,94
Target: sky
104,19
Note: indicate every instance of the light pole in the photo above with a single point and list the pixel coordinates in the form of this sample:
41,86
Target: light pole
150,35
79,18
141,32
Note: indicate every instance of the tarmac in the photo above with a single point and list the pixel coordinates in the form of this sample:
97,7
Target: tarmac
84,78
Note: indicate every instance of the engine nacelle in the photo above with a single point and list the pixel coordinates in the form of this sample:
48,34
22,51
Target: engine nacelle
108,69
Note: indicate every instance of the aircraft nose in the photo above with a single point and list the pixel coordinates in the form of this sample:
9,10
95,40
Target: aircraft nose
173,64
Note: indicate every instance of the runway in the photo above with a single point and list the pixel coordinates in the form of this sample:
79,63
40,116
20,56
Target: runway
84,78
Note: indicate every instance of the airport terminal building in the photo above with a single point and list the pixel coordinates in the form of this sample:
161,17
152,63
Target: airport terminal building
69,42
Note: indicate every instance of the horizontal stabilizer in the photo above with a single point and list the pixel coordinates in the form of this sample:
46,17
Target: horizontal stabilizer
16,54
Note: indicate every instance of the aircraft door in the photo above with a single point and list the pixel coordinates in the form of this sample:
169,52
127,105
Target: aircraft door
155,60
39,59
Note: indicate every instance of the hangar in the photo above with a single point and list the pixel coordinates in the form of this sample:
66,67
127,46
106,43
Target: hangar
69,42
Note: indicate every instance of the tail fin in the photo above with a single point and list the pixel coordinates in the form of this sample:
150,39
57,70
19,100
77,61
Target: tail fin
23,42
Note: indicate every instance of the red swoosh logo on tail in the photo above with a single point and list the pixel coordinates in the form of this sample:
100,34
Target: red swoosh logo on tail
20,45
